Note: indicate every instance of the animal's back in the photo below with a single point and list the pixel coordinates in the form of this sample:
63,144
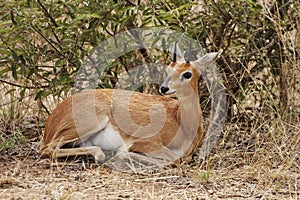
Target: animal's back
80,114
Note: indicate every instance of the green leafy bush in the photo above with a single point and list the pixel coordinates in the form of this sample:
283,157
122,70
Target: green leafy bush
43,43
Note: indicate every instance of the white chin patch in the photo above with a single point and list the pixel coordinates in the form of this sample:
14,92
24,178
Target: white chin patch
171,93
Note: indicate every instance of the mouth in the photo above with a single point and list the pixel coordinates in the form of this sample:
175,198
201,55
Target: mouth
169,93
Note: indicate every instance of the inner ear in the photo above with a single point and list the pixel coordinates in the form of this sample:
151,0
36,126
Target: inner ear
205,61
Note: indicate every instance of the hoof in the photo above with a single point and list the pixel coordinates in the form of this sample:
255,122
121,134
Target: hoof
99,157
99,162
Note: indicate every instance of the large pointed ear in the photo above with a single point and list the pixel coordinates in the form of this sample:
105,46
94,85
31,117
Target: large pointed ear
175,50
206,60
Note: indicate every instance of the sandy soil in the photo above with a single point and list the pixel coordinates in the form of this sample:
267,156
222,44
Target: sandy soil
27,176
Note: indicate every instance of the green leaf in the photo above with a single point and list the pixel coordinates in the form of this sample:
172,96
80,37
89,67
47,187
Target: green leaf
5,30
4,71
68,40
94,15
10,91
14,71
39,94
13,18
21,58
22,92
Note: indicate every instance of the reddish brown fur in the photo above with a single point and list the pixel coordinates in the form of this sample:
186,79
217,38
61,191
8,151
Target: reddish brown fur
61,128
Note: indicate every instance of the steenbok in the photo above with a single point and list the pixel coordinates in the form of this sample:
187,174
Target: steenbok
159,127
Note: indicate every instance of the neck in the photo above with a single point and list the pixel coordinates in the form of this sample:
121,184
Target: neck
189,117
189,112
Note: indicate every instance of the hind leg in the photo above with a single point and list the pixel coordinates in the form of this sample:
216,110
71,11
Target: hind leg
91,150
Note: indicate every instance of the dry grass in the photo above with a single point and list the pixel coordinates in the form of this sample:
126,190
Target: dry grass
269,172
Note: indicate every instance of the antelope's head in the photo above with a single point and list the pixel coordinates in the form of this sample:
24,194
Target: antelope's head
184,74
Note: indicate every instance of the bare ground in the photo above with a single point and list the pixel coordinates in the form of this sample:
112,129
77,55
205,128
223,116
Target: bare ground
231,173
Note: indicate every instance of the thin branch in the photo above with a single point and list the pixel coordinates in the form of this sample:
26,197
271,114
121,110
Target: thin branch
51,18
130,3
24,86
50,43
109,33
225,16
15,100
47,13
55,35
230,37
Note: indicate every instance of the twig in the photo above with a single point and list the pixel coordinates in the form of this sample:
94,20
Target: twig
130,3
230,37
24,86
51,18
50,43
15,100
47,13
225,16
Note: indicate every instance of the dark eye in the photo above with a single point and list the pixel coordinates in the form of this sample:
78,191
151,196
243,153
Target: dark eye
187,75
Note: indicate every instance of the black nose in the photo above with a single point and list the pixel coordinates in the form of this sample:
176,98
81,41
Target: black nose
164,89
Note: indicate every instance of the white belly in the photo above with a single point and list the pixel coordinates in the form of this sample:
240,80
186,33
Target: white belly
107,139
